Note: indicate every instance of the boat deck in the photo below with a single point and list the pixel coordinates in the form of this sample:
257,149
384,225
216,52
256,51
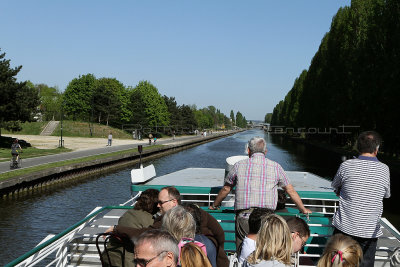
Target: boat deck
76,245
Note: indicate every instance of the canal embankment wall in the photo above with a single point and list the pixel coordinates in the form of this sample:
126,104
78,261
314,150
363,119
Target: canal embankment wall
85,169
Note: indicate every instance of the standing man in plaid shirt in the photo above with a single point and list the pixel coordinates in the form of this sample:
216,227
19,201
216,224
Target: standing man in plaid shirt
257,180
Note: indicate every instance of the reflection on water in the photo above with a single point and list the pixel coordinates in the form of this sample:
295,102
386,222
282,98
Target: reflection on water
26,220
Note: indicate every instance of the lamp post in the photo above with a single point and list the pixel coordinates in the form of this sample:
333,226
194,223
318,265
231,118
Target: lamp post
61,143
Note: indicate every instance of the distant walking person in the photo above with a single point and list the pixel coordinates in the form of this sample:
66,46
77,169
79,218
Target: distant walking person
150,137
361,185
109,139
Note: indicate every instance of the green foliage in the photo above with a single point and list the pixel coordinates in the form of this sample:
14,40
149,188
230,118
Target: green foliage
232,116
18,102
268,117
354,76
188,119
148,106
173,109
50,101
240,120
81,129
108,100
31,128
78,96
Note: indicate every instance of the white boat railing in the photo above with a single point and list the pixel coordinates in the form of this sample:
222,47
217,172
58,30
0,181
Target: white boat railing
52,251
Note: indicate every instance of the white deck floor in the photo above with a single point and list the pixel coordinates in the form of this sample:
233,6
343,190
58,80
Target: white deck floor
302,181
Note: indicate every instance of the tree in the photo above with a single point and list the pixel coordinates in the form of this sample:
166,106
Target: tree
268,117
50,100
232,116
18,102
78,96
240,120
188,119
173,109
148,106
203,120
107,100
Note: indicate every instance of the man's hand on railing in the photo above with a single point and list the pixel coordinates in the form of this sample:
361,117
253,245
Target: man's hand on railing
306,211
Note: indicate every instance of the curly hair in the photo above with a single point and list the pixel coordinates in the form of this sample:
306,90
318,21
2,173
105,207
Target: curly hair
341,251
148,201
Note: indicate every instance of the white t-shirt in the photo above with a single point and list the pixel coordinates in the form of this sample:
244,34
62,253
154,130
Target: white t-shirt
249,245
263,263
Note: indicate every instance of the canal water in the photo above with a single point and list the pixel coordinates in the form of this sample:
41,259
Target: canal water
26,220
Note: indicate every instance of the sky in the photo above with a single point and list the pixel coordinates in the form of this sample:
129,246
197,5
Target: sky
235,55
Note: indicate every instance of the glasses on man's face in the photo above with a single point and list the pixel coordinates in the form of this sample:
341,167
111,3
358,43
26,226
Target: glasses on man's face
144,262
303,243
163,202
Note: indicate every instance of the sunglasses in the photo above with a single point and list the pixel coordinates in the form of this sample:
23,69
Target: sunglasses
163,202
144,262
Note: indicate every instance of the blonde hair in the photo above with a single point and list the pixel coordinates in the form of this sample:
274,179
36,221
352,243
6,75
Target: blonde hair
193,256
179,222
273,241
341,251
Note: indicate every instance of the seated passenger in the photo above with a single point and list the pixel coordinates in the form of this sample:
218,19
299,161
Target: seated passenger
210,245
300,232
156,248
192,256
181,225
249,243
341,251
168,198
141,216
273,244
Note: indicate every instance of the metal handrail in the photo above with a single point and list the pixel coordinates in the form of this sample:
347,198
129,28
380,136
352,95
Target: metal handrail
59,238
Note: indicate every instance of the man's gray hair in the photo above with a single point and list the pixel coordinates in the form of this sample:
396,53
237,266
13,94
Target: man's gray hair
161,241
257,145
179,222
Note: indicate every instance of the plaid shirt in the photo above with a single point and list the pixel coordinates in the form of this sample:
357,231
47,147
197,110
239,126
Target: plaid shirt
257,180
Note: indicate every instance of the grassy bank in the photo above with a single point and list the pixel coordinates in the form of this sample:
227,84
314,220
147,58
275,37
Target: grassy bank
31,152
71,128
34,128
82,129
25,171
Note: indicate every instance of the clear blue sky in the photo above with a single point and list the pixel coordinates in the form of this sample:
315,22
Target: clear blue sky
239,55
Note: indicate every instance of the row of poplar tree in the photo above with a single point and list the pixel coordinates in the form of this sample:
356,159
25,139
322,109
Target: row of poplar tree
354,77
102,100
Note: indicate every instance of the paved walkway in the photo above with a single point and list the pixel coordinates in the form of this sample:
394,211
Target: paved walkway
30,162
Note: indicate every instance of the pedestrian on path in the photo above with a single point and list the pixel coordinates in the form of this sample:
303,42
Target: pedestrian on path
109,139
150,137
